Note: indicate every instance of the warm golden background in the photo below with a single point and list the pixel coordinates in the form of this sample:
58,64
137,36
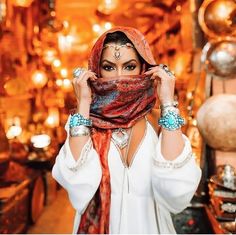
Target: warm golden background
41,42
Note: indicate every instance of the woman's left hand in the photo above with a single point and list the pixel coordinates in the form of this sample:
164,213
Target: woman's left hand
165,83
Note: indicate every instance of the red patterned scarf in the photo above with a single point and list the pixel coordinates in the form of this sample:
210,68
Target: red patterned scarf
122,101
119,102
95,219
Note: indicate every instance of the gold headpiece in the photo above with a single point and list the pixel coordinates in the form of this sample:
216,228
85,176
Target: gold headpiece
117,54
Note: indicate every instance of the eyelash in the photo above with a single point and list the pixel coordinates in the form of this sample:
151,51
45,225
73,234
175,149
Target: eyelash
130,67
107,67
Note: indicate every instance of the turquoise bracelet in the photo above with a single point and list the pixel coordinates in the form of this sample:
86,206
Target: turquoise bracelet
78,120
171,121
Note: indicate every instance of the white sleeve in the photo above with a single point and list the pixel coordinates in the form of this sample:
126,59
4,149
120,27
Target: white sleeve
80,178
175,182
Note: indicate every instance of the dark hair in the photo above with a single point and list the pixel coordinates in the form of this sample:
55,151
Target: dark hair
117,37
120,38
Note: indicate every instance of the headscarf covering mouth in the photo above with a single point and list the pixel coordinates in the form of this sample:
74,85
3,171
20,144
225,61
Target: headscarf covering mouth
121,102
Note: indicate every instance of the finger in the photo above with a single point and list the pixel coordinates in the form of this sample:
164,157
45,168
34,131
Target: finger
163,74
93,76
152,70
149,72
155,76
85,76
167,70
74,81
92,72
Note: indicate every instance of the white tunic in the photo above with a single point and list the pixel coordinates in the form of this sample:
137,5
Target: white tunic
143,195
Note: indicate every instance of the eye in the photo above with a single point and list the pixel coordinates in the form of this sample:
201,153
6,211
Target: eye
107,67
130,67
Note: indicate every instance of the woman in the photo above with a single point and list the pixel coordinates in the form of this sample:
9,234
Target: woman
120,175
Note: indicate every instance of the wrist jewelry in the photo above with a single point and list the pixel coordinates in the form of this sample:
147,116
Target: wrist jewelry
169,104
166,110
77,120
171,121
77,131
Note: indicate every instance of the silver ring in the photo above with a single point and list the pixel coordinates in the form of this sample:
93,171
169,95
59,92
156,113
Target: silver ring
166,69
77,72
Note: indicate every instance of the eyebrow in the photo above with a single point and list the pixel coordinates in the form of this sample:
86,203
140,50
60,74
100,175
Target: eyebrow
115,64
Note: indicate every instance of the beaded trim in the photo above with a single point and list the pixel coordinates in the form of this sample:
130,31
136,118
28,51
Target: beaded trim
77,120
172,165
84,156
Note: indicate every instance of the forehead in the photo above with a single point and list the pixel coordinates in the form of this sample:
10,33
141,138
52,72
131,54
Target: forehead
126,53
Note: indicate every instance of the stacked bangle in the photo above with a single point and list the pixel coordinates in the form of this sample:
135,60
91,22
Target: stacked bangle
79,125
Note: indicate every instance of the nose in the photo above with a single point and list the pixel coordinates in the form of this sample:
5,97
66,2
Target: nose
119,71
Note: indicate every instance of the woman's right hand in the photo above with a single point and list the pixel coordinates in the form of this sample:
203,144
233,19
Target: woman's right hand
81,88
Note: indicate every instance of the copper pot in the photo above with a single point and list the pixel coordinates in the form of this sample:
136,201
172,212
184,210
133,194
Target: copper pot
216,121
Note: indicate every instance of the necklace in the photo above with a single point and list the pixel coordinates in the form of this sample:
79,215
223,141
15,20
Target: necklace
120,137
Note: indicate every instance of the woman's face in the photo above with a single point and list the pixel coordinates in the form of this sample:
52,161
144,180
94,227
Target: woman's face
126,63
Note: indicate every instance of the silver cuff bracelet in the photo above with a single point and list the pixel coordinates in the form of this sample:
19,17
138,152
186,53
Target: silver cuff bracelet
77,131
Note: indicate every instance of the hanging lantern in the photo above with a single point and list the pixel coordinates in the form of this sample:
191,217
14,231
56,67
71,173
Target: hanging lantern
3,10
15,128
64,73
99,29
217,17
22,3
49,55
13,132
59,82
53,118
56,64
107,6
39,78
66,85
73,38
108,25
